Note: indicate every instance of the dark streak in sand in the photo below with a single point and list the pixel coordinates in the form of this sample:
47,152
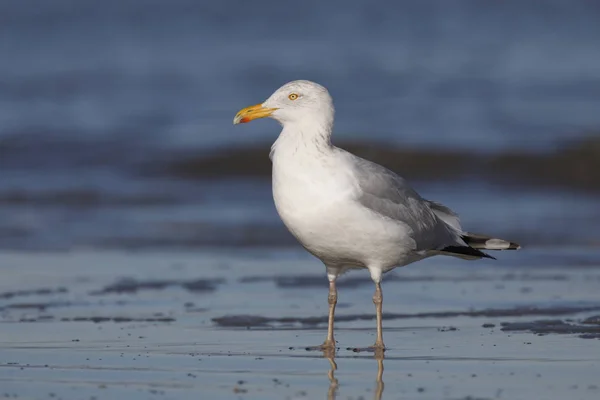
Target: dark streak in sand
237,321
130,286
588,328
118,319
300,281
37,306
33,292
97,320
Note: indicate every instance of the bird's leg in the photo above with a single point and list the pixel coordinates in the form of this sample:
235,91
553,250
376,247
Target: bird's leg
332,300
328,346
378,301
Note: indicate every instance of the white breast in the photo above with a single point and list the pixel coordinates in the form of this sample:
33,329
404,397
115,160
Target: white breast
314,198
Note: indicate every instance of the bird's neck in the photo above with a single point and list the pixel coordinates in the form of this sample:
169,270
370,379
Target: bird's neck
306,137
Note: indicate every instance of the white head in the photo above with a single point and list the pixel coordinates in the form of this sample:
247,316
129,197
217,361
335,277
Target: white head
295,103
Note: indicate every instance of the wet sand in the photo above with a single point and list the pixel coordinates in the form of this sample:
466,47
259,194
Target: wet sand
223,324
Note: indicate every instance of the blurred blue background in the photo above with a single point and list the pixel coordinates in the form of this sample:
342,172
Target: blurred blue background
116,116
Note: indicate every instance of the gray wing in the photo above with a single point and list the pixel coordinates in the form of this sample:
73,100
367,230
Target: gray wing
445,214
388,194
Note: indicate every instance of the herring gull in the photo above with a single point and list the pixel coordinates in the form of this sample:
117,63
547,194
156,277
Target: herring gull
347,211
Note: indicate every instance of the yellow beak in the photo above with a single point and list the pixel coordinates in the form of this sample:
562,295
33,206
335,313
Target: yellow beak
253,112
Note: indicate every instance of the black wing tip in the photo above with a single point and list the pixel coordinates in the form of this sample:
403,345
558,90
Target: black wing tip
466,251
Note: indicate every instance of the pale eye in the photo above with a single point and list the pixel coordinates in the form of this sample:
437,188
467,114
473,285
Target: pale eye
293,96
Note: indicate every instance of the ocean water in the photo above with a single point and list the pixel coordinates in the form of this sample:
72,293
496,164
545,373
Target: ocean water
90,90
465,73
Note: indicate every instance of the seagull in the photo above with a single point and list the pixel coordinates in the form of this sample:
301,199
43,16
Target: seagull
349,212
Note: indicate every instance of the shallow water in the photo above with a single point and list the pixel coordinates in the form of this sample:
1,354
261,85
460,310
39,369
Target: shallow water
100,100
234,212
144,325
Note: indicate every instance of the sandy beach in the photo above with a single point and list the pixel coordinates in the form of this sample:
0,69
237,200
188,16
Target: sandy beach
127,325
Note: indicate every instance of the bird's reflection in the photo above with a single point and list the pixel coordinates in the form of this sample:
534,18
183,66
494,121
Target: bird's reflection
379,356
333,381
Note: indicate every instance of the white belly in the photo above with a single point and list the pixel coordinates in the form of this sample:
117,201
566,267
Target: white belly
317,207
